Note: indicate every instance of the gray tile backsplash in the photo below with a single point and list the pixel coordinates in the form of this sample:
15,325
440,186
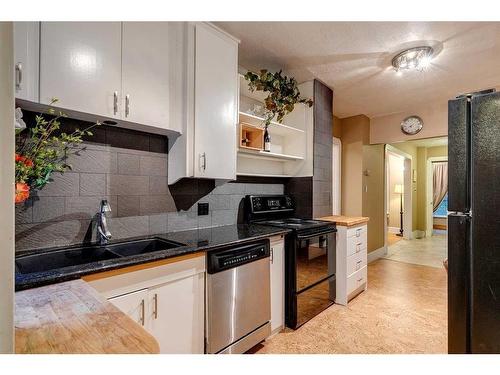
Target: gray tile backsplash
134,181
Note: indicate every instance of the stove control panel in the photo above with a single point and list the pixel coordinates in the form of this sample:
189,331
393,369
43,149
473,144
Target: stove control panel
270,203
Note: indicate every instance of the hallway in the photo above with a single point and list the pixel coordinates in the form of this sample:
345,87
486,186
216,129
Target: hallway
428,251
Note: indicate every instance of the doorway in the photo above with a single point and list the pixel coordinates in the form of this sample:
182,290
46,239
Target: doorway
437,195
398,195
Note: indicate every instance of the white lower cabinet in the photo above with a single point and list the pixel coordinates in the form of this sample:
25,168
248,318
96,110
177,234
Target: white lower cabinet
176,315
133,304
167,300
277,283
352,259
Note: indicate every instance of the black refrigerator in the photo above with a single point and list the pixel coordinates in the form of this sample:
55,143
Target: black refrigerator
474,223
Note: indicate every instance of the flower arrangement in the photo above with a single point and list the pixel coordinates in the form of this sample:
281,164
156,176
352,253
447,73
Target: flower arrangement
42,149
283,93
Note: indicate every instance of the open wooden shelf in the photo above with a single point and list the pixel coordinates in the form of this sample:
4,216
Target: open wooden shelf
274,127
247,153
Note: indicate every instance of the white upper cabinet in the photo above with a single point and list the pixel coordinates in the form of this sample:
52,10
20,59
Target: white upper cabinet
80,64
207,146
26,62
216,103
145,73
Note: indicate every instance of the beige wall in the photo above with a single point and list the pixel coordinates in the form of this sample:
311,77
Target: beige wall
355,133
387,129
359,157
395,176
6,189
373,181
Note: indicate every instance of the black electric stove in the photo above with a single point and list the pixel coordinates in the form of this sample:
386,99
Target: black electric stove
309,255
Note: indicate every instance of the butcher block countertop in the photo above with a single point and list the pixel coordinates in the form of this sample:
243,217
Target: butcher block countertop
72,317
346,221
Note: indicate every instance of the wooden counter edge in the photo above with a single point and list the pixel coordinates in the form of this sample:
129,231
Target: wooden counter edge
346,221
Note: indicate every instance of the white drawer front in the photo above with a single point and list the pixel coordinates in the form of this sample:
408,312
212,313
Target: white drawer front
356,244
355,262
356,231
356,280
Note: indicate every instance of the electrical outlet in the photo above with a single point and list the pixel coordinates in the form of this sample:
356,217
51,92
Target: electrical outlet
203,209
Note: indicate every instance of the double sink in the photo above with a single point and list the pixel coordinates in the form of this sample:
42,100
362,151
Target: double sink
82,255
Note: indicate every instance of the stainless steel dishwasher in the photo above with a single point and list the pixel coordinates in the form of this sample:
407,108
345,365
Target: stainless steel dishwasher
238,297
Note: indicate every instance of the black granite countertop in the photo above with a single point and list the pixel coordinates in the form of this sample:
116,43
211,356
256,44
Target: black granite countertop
194,241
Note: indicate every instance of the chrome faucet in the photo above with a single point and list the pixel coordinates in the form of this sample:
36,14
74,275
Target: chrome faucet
103,233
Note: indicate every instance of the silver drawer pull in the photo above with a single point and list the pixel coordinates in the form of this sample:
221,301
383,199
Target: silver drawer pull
19,75
155,311
115,102
127,105
359,280
358,247
142,317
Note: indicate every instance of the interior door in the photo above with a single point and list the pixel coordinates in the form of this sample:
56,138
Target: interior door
216,103
80,65
146,71
176,315
133,304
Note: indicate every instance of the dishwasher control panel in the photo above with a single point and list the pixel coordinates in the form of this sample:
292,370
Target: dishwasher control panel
223,259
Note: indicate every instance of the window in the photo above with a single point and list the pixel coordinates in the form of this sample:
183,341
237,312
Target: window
442,209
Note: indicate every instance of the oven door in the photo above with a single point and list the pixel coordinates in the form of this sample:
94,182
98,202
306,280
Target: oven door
312,270
314,259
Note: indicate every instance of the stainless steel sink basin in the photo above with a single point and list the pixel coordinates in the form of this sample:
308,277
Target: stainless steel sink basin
62,258
138,247
75,256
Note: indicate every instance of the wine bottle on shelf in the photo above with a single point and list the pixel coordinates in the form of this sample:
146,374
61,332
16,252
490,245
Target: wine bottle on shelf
267,141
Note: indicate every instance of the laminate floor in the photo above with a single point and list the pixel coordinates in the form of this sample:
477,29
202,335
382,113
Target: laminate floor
404,310
428,251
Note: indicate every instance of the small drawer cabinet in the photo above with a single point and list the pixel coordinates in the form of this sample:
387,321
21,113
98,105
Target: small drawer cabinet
351,261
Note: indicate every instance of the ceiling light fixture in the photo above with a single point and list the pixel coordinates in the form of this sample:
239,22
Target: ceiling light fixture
417,58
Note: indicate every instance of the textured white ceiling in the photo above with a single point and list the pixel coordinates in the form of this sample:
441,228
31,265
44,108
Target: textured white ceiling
354,58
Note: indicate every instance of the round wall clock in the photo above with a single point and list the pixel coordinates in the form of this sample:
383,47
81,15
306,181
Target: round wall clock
412,125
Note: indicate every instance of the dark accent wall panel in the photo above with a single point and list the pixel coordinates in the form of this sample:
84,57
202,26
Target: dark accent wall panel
322,161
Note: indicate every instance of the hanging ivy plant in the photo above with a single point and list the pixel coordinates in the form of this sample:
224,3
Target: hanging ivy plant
283,93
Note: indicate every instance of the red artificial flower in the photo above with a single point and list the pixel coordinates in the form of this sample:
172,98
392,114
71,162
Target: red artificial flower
23,159
22,192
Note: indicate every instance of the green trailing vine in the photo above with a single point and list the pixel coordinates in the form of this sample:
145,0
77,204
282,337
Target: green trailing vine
283,93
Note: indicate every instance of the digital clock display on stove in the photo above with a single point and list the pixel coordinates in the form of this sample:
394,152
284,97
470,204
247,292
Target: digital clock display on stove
273,203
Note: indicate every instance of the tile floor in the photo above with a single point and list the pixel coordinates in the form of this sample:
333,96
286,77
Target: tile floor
429,251
404,310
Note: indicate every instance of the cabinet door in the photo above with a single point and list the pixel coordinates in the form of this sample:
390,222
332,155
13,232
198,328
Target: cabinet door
26,59
133,304
176,317
277,284
146,71
80,64
216,103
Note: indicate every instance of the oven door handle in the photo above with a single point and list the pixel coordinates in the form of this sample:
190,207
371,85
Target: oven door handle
315,234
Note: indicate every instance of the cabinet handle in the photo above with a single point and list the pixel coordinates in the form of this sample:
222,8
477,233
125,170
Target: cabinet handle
272,255
359,280
203,165
19,75
358,265
127,105
115,102
143,313
358,232
155,310
358,247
